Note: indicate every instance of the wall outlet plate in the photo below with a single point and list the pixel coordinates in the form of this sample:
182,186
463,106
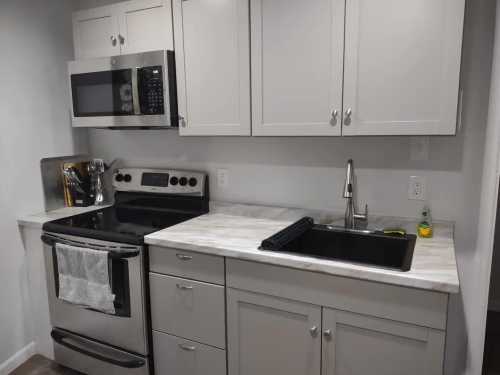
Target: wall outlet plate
416,188
222,178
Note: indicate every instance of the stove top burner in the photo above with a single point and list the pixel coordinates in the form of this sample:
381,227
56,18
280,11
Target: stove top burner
133,216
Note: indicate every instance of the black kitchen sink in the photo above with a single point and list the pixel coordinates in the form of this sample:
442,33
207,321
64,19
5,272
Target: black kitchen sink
370,248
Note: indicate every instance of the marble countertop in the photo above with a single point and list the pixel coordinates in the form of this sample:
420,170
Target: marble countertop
37,220
236,231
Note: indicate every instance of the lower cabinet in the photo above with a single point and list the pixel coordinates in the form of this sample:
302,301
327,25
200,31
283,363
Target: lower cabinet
270,335
176,356
356,344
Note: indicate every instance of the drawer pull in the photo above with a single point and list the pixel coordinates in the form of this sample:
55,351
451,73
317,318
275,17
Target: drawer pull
187,348
184,257
184,287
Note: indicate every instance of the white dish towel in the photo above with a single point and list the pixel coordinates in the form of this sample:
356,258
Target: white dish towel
84,277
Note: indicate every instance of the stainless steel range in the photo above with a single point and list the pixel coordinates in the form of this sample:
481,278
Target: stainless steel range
146,200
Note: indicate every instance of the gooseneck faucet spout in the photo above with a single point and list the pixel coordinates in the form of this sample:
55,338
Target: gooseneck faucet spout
350,212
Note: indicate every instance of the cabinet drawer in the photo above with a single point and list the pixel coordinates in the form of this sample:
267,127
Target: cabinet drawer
174,355
189,309
208,268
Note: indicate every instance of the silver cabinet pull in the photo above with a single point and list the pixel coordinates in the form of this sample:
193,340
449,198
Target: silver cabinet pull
335,114
121,38
347,116
327,334
314,331
184,287
187,348
184,257
113,40
182,120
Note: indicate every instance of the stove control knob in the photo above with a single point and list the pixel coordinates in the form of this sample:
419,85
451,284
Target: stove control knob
127,178
193,182
183,181
174,181
119,177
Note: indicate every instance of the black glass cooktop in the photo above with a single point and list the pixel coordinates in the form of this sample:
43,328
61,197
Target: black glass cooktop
129,220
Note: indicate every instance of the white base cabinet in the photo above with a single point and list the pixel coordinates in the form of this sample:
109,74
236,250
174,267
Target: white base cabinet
269,336
177,356
355,344
268,320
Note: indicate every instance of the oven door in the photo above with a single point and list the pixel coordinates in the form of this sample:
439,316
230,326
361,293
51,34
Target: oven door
126,328
136,90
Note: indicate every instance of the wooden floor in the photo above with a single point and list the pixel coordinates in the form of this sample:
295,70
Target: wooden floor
38,365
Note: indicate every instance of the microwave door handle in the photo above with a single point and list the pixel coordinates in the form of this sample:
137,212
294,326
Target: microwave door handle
135,91
85,348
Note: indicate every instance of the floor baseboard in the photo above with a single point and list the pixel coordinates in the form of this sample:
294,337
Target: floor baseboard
17,359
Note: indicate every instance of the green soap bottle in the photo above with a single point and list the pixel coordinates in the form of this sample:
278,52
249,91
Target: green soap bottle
425,227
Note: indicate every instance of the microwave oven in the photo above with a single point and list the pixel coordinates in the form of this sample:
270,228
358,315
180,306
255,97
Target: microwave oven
127,91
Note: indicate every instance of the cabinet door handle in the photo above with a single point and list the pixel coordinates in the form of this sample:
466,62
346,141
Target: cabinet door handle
335,115
121,38
348,116
314,331
187,348
184,287
184,257
182,120
113,40
327,334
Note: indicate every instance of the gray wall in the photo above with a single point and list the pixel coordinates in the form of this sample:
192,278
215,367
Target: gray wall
36,42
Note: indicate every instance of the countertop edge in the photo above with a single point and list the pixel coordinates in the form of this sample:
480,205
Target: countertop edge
337,269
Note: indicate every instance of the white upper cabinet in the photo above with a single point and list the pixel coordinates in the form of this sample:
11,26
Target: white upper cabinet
213,66
402,65
297,61
95,33
146,25
123,28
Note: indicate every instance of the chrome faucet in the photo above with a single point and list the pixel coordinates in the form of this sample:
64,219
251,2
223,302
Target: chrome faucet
351,217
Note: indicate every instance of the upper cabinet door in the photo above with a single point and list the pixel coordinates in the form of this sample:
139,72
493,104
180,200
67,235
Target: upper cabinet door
145,25
95,33
402,66
213,66
297,61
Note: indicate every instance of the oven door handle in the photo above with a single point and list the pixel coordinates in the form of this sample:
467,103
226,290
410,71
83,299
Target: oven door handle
86,349
51,241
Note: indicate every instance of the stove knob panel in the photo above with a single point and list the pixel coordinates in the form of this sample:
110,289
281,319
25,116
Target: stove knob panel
183,181
119,177
174,181
193,182
127,178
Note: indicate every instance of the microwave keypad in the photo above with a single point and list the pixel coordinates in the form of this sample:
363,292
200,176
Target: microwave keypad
151,90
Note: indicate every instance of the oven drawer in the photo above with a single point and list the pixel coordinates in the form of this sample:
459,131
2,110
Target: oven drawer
174,355
192,265
93,358
189,309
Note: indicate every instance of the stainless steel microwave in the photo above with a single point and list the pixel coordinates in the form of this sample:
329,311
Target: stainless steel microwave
127,91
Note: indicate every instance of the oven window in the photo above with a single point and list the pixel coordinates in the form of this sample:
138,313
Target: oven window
106,93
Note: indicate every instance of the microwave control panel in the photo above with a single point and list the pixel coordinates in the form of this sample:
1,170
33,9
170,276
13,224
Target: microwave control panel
151,98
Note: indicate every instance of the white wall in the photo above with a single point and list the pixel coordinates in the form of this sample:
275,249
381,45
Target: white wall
36,42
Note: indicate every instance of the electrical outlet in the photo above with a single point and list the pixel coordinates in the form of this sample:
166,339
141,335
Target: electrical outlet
222,178
416,188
